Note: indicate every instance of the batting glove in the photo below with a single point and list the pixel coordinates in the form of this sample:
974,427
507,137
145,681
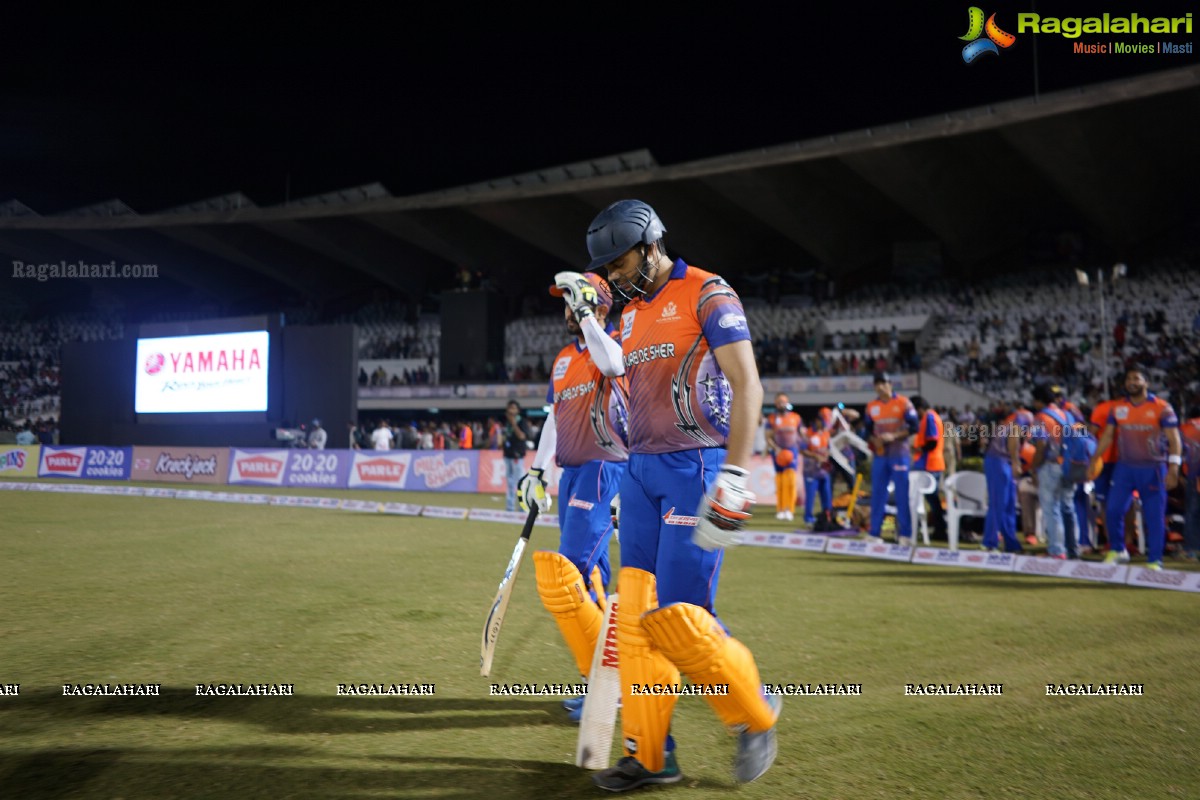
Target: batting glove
532,490
724,510
578,292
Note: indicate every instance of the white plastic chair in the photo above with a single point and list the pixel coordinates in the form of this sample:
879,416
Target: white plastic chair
920,483
966,496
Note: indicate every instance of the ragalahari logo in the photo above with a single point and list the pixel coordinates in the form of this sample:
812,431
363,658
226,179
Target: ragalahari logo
976,28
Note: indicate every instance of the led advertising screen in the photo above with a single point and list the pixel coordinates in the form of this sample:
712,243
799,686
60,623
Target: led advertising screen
219,372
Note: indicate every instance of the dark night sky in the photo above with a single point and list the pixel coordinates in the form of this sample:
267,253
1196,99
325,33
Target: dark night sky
162,110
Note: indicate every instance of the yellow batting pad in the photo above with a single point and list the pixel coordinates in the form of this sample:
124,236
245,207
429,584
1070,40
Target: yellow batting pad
693,639
566,597
645,718
598,589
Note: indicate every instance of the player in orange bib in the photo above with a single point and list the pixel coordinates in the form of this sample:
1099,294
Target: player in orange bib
783,441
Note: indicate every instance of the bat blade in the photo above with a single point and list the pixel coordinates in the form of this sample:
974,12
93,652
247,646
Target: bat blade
495,617
599,716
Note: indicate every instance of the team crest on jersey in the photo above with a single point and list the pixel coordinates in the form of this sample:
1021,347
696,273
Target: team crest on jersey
627,324
1121,412
560,367
669,310
874,411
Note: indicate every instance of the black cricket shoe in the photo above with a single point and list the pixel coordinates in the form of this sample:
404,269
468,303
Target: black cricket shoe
630,774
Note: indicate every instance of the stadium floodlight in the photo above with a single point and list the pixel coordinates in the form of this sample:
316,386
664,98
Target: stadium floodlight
1119,270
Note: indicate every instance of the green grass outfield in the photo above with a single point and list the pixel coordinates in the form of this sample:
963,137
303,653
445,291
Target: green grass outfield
99,589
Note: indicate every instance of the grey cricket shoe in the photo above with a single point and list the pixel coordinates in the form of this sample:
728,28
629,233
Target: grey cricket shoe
756,751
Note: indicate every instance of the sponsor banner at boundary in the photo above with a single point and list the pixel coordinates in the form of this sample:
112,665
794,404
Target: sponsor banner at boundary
19,460
380,469
257,467
93,463
401,509
180,464
1094,571
547,520
444,471
810,542
325,469
444,512
888,552
1049,567
367,506
848,547
1166,579
972,559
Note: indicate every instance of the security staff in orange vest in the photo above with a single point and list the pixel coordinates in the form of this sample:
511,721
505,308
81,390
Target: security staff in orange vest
928,456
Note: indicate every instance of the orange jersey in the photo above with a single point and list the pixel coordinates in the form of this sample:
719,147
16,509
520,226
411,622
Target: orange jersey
930,429
1140,427
1100,420
679,399
1019,424
895,415
590,418
1190,431
786,427
817,443
466,438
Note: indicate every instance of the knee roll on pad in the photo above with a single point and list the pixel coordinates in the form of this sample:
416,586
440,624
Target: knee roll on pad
697,644
566,597
645,719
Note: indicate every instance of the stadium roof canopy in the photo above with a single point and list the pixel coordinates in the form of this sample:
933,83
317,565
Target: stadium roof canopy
1116,162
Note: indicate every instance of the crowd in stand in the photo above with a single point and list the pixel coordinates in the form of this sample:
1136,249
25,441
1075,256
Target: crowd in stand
380,377
461,434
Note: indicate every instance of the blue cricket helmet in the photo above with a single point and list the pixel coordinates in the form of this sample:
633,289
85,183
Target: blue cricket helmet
619,228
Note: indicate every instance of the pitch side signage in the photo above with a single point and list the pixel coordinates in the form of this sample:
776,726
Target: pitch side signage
181,464
258,467
19,460
105,463
380,469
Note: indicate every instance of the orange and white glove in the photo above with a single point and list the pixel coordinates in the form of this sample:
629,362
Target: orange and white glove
724,510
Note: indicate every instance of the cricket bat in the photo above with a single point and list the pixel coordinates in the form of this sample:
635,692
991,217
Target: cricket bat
603,696
495,618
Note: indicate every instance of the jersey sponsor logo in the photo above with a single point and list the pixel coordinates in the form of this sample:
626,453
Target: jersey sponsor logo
668,310
671,518
1121,412
560,367
575,502
627,324
874,411
732,321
